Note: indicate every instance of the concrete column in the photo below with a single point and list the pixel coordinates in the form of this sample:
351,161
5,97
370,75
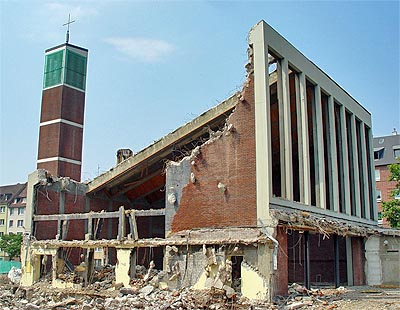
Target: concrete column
33,179
334,178
285,131
356,172
372,181
122,266
364,171
345,160
304,156
319,147
62,203
262,121
299,136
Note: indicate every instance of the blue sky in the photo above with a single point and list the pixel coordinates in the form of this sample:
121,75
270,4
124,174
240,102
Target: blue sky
155,65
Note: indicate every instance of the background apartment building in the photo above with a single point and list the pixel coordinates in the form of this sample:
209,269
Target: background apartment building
12,210
386,152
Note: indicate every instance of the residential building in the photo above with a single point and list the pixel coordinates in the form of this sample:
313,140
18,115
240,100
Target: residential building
272,186
386,152
12,201
16,213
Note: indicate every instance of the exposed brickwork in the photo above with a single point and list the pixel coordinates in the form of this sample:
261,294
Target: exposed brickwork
60,139
47,202
63,168
281,277
72,109
230,159
357,245
49,138
71,142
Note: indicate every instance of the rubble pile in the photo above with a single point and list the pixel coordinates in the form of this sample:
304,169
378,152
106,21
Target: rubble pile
43,296
147,293
300,297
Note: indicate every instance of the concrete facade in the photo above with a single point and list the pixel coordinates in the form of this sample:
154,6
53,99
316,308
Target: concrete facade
272,186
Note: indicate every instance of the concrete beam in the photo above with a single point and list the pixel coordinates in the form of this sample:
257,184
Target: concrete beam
96,215
319,148
258,41
345,160
364,172
356,171
304,160
334,177
285,130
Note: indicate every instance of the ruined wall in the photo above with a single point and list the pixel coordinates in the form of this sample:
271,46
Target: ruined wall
57,197
226,162
382,260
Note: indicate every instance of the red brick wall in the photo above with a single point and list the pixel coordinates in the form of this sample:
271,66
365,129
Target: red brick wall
357,245
60,139
72,109
386,187
60,168
281,276
230,160
47,202
49,140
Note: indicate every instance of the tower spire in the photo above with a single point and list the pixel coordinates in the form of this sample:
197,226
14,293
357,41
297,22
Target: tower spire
67,24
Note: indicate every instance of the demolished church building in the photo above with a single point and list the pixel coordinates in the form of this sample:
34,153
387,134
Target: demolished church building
272,186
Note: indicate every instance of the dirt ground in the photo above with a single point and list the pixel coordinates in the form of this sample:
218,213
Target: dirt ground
367,298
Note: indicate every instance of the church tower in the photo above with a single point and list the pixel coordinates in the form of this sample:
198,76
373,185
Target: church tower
62,112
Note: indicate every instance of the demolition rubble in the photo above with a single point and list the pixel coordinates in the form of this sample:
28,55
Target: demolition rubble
147,293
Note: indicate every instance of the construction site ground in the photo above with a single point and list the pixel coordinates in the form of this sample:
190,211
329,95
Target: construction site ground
145,296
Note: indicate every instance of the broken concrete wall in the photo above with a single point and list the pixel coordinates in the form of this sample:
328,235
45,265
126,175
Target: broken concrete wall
177,177
382,260
215,266
224,172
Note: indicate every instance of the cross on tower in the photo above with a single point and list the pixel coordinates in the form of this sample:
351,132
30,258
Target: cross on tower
67,24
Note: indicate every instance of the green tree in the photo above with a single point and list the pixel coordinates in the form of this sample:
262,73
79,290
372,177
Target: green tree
11,244
391,208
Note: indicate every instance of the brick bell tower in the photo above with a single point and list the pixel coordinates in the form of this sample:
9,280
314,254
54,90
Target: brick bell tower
62,113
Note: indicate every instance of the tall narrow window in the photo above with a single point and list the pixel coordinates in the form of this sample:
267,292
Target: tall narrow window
327,138
295,134
275,130
351,161
362,177
339,150
312,139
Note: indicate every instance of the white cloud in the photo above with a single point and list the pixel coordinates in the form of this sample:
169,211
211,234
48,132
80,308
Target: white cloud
61,10
141,49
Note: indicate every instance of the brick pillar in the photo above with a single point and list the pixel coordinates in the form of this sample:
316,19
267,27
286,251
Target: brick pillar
281,275
357,245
